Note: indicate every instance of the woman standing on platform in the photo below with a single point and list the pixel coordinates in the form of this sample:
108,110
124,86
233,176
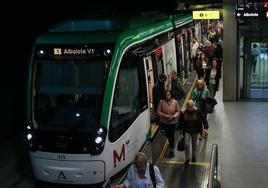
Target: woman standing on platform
213,75
199,96
168,111
191,123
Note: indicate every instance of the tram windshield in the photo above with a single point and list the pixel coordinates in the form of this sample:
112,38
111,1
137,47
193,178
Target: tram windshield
69,94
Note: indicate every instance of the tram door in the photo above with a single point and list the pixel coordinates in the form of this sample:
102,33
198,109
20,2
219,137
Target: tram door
150,74
181,60
155,67
256,69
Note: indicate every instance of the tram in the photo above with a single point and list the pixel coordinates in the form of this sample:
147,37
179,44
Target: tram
89,92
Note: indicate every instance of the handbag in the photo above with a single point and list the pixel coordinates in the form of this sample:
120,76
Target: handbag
210,103
180,145
209,108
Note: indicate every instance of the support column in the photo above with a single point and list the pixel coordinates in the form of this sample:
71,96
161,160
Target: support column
229,51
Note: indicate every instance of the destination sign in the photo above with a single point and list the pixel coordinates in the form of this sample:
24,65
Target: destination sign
251,13
247,14
74,51
206,15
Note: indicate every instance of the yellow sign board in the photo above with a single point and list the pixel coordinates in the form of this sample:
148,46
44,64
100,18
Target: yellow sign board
206,15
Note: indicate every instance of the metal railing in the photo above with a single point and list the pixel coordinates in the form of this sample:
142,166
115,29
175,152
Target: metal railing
213,178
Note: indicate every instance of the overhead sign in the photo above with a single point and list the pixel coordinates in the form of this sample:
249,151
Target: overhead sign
247,14
206,15
243,13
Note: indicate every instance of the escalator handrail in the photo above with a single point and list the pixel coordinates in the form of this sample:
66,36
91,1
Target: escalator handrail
213,169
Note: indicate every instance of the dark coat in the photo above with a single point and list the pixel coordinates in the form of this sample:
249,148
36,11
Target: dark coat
196,127
158,93
217,77
177,89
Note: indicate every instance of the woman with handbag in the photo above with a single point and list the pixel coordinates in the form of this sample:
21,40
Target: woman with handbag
192,122
199,96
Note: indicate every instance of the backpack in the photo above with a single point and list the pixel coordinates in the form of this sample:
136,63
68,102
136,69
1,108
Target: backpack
152,174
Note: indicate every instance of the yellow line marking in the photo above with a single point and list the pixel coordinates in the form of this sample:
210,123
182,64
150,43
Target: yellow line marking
154,128
172,162
189,93
164,149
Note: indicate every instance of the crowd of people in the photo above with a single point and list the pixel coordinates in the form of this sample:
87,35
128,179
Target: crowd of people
169,93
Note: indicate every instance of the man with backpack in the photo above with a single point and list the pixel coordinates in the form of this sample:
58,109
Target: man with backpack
142,174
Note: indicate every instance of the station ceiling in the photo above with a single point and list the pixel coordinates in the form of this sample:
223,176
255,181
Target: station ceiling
80,7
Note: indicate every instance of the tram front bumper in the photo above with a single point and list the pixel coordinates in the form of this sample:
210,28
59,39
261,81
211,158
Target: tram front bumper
69,172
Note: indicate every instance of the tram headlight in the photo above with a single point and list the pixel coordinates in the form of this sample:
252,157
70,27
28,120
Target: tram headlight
29,136
98,140
100,130
107,52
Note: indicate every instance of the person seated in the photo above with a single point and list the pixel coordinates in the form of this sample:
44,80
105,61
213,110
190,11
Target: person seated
139,175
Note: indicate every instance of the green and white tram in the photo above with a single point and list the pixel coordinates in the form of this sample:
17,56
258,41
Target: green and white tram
89,92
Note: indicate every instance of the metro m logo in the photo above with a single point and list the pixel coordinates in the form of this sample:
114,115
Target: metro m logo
119,157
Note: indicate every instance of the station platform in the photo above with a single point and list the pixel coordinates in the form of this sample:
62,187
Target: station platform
240,130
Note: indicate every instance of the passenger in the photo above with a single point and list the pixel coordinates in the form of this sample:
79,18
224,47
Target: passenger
158,94
192,122
218,50
169,111
176,87
199,94
139,175
213,75
205,42
159,90
194,47
219,28
254,59
209,50
212,35
199,97
201,65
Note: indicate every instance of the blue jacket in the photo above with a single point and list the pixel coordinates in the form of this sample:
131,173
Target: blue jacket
133,181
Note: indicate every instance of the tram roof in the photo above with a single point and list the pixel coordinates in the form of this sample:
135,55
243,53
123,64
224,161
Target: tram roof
102,29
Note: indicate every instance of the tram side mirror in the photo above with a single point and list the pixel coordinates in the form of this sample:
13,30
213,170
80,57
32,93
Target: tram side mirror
186,5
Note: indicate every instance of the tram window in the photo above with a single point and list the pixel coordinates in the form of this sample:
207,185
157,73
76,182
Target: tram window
69,93
129,99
